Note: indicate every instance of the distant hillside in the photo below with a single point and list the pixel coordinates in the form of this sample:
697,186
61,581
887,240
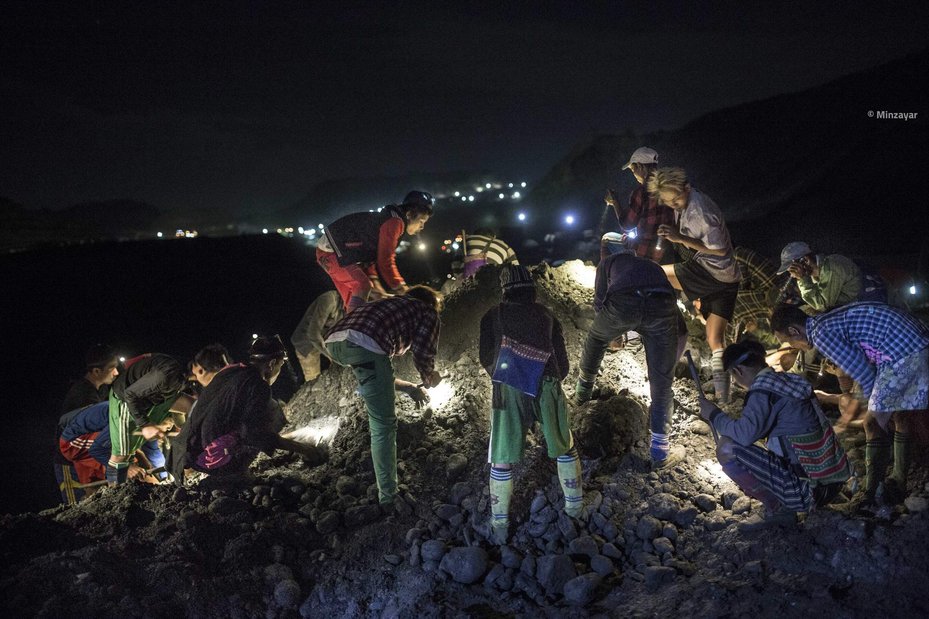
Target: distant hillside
808,165
22,227
330,199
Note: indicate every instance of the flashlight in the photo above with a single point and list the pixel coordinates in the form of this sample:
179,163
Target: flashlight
658,244
632,233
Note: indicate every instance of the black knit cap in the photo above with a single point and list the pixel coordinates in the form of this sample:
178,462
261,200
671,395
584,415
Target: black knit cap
514,276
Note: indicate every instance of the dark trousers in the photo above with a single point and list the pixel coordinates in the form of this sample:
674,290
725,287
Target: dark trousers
654,317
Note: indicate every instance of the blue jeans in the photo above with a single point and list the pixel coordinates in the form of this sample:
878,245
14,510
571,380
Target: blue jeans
654,317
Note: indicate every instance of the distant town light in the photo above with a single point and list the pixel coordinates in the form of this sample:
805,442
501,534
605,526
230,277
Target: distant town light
422,246
457,193
300,229
479,189
455,246
500,196
487,185
320,226
264,230
160,234
522,184
254,336
464,198
913,289
470,198
510,185
521,217
516,195
569,219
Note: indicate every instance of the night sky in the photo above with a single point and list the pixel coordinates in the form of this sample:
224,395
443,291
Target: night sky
238,106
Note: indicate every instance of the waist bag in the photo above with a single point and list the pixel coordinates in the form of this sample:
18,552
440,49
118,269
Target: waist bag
219,453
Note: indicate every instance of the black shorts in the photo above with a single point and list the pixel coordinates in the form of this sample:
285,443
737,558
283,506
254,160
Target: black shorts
716,297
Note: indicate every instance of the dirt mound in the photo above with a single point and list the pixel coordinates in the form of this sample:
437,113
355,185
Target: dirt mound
305,542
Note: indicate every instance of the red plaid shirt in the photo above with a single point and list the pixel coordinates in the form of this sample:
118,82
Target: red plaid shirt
397,324
645,215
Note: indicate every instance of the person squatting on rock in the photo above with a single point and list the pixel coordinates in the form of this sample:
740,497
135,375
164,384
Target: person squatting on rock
522,349
712,274
632,293
886,351
307,338
141,399
482,248
359,251
802,465
366,340
235,418
84,445
640,218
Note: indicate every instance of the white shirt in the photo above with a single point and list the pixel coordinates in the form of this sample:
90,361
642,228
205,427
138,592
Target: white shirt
701,219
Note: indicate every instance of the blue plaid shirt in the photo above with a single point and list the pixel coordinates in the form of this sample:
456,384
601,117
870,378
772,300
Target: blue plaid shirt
860,337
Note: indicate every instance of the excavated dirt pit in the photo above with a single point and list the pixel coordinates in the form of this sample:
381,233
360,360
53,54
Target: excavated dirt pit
299,542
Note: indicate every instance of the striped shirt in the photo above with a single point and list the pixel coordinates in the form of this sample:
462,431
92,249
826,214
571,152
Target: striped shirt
395,325
860,337
497,252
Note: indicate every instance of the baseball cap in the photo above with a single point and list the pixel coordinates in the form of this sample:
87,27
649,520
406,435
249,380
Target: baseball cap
793,251
642,155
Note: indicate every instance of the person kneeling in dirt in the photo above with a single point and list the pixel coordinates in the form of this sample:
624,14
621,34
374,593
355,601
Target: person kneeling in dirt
365,340
802,465
886,351
84,443
142,397
633,293
235,418
523,350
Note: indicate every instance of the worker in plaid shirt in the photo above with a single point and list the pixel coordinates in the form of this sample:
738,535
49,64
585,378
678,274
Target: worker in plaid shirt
365,340
753,303
640,218
887,351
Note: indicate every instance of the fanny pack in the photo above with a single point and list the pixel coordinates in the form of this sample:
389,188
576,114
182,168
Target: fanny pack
219,452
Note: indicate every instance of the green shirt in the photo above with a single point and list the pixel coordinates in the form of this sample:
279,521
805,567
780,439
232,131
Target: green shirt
838,283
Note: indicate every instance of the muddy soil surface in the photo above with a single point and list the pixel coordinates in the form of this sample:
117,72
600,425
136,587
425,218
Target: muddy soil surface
300,542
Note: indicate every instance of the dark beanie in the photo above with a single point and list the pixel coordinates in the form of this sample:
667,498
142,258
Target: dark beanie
514,276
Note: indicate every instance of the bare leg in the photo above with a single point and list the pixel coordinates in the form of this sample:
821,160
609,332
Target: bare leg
669,272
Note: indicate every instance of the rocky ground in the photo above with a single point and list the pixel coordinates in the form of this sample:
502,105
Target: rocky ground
299,542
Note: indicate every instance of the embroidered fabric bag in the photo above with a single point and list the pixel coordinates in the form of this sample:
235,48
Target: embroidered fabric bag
520,366
821,456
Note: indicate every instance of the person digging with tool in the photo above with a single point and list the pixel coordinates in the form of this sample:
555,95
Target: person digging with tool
366,340
235,418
